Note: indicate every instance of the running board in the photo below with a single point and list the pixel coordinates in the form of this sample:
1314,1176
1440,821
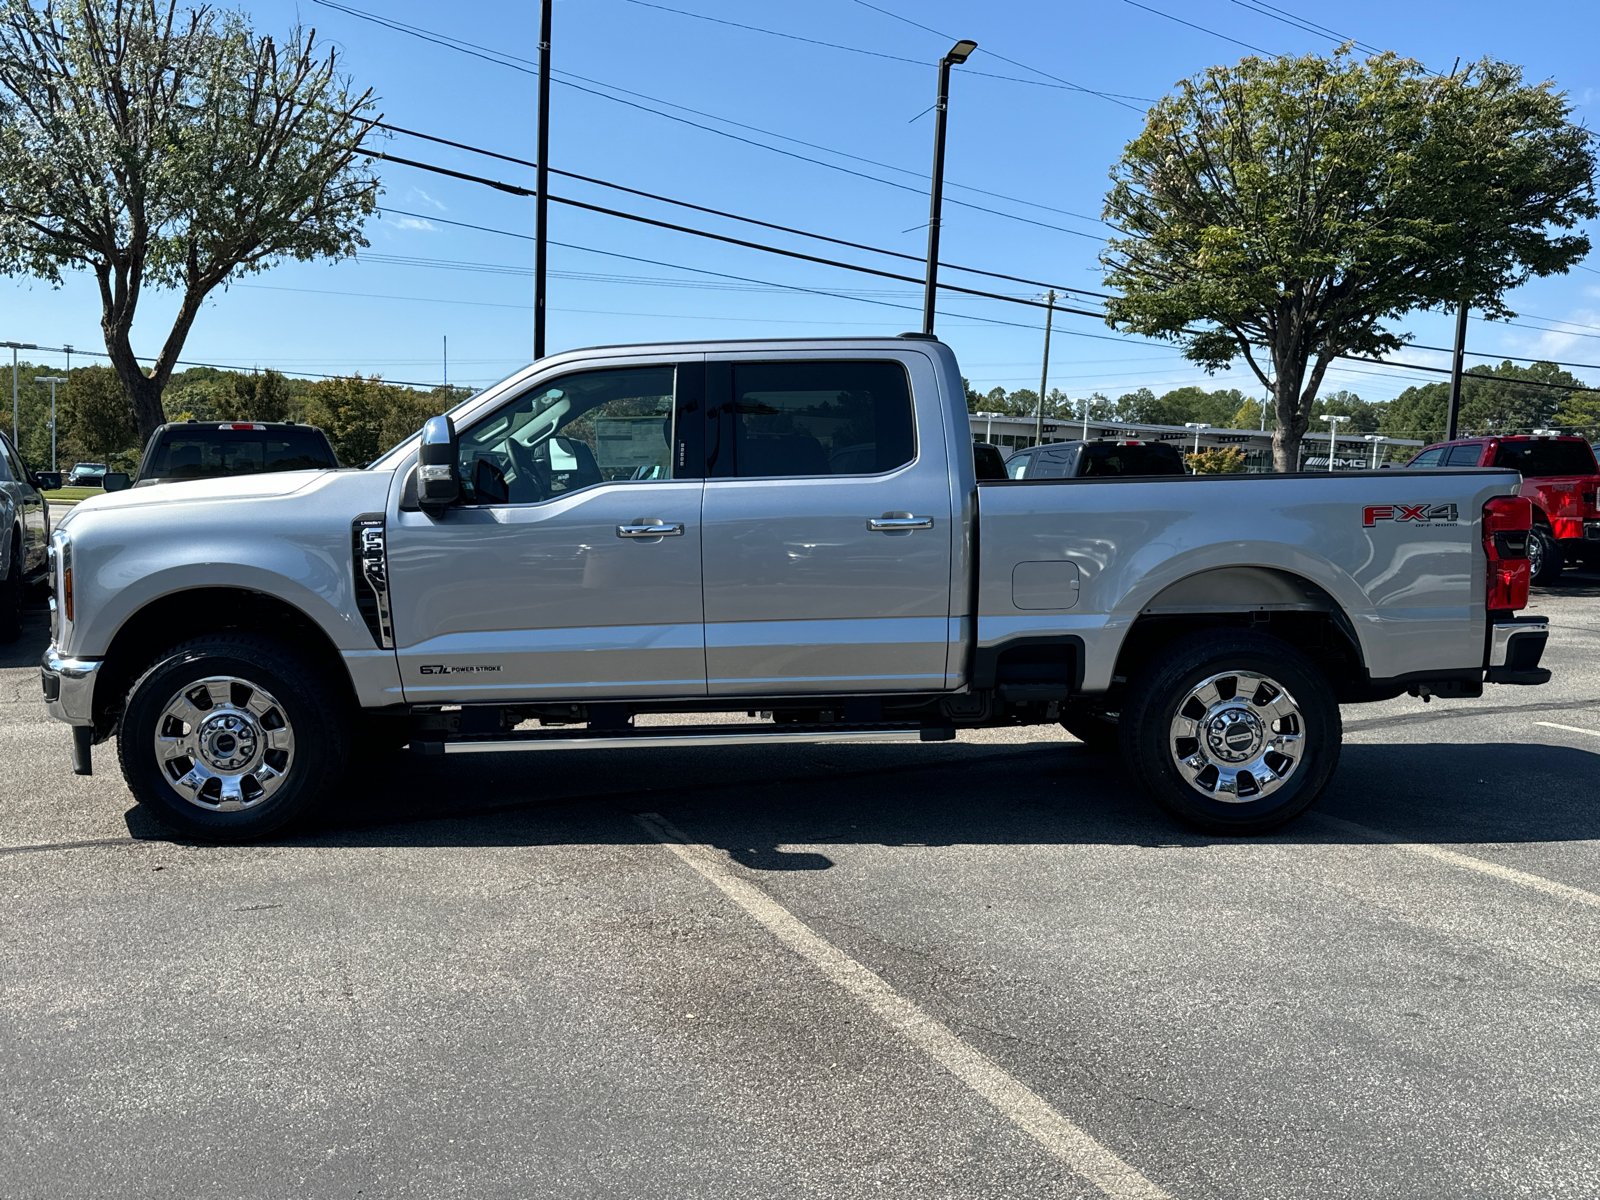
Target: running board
707,735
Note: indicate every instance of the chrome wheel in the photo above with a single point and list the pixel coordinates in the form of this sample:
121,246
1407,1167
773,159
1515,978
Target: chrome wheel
224,743
1237,737
1536,549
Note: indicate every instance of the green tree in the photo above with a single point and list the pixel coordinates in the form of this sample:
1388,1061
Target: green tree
363,416
1284,210
1216,460
259,396
170,148
1364,415
1493,400
94,414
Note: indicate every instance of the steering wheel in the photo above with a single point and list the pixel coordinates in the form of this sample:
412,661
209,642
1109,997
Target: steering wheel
529,473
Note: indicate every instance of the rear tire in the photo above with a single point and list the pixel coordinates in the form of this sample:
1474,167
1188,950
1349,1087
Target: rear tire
1546,558
1231,732
232,736
11,599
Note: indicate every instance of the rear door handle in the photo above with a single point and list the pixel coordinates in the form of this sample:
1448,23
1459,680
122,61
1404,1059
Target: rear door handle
898,524
650,529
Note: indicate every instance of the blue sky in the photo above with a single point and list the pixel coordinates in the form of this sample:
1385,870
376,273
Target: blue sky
1041,146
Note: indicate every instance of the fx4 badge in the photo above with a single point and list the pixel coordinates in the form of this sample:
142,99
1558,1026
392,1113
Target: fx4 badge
1444,514
441,669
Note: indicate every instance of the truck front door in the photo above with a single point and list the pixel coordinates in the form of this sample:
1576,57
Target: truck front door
828,526
571,570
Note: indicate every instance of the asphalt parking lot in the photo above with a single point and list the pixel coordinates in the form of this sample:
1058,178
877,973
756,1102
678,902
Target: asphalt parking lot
986,968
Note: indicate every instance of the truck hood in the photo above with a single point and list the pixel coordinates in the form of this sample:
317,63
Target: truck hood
210,491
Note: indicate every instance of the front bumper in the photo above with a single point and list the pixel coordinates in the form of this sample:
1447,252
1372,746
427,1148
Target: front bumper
1515,648
69,686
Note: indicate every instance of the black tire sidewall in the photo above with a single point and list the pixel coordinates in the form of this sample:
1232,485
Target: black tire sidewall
1146,724
314,711
1554,556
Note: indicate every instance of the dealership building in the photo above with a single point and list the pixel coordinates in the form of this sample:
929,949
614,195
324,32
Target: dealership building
1352,451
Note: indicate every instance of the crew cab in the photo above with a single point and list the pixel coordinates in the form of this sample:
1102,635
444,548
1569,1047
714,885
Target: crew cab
787,527
1559,478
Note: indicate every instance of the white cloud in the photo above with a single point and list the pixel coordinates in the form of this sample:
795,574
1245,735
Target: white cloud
417,195
411,223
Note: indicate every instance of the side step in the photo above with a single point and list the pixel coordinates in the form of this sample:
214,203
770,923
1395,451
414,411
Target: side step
683,735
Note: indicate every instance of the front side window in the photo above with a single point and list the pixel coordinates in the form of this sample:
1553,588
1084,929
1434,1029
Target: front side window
573,432
819,418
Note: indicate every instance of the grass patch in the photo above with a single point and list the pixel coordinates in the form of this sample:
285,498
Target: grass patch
71,495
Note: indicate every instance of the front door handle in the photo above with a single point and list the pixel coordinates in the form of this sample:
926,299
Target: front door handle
651,528
898,524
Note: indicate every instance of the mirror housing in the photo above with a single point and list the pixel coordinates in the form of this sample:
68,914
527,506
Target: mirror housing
438,470
115,481
47,481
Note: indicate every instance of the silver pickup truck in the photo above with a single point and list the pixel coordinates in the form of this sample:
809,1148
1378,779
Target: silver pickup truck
784,528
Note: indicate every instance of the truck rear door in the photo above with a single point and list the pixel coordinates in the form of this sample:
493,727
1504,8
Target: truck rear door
827,524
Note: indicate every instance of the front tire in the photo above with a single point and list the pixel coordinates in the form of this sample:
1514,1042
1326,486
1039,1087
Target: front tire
1232,732
230,737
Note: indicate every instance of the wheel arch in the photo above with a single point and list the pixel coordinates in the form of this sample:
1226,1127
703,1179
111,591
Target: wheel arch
194,612
1269,600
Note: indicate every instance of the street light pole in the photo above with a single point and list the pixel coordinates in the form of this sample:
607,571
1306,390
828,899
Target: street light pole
1374,438
1333,433
52,380
1452,418
958,54
541,202
1044,371
15,346
1197,426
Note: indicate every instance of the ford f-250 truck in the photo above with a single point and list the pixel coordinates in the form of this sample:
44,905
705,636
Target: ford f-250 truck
784,527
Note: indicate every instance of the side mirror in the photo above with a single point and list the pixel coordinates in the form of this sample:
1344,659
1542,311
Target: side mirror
47,481
115,481
438,472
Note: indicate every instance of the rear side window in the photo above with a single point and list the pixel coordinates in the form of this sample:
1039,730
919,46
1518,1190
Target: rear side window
1464,456
817,418
1429,458
1546,458
203,453
1108,458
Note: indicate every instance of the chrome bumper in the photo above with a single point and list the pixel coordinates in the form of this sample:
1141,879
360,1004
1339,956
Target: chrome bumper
69,687
1515,648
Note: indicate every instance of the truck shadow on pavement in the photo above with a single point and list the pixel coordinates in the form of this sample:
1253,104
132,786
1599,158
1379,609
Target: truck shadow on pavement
28,649
780,810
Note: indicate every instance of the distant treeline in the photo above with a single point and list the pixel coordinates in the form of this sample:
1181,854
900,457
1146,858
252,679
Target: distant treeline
362,415
1503,399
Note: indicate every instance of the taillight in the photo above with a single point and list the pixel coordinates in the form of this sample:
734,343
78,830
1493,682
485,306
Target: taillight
1506,523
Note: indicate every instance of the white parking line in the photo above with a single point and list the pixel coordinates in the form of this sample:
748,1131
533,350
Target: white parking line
1009,1095
1455,858
1569,728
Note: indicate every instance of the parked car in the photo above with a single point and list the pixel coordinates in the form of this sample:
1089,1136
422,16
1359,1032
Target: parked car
219,449
86,474
24,536
1076,460
701,543
1560,477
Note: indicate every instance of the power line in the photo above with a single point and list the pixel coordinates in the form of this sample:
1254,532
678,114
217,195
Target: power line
1190,24
717,212
185,362
1114,97
1272,12
720,237
527,67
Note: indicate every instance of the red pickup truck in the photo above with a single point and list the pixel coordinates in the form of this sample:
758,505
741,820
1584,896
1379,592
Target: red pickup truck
1559,476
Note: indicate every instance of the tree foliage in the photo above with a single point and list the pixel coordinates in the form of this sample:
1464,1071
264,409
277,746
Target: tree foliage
1216,460
93,410
1286,210
1503,399
363,416
174,149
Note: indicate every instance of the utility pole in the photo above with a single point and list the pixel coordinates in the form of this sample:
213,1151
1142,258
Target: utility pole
447,360
1044,371
1197,426
958,54
1086,418
1452,419
541,203
52,380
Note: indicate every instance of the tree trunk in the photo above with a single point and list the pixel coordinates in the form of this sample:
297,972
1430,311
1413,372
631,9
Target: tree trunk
144,390
1292,421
